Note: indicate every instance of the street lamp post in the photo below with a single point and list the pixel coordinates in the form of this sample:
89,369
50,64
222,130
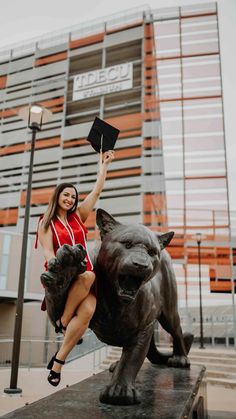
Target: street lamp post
35,115
199,240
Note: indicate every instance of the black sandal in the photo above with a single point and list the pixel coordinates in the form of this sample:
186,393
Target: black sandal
53,375
59,327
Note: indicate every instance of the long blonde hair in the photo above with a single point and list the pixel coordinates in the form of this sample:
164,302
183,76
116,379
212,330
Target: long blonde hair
53,203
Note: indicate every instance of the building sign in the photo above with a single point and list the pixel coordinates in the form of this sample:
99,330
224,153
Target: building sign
104,81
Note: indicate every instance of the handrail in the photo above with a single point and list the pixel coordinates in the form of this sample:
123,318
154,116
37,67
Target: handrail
35,351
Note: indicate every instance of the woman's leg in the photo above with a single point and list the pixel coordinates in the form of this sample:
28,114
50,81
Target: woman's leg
78,291
76,328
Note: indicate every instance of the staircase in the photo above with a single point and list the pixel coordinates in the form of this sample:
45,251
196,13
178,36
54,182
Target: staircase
220,364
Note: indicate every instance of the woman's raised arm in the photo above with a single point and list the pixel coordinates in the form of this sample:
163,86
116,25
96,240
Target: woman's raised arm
88,204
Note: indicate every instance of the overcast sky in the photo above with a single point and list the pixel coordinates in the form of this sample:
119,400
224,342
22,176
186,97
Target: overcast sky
24,19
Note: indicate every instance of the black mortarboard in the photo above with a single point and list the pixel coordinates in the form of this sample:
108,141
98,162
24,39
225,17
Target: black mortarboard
102,136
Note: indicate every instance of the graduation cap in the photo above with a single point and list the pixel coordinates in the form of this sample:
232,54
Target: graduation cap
102,136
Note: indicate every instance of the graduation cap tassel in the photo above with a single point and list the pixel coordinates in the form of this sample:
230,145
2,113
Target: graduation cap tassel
100,156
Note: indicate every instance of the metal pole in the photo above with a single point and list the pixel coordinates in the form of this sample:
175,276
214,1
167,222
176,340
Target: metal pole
200,295
20,298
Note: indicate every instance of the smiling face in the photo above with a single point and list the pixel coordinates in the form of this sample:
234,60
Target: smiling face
66,199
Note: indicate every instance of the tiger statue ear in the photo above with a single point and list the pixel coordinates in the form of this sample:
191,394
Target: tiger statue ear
165,239
105,222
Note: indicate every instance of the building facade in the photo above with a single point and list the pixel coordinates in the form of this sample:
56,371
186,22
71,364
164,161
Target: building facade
156,76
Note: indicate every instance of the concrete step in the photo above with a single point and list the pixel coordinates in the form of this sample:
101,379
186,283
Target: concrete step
225,362
226,383
116,349
216,366
214,352
211,360
222,362
220,374
212,414
220,355
112,357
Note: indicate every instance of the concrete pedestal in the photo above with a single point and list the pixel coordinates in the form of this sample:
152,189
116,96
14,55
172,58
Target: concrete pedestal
166,393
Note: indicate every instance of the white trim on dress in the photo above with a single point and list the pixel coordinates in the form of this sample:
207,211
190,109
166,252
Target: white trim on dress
85,242
68,229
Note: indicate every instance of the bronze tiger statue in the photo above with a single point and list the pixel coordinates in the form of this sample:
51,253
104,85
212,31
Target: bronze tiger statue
136,286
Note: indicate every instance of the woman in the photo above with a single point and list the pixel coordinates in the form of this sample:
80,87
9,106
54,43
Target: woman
63,224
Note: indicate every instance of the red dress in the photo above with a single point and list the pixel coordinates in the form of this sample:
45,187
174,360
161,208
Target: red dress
73,232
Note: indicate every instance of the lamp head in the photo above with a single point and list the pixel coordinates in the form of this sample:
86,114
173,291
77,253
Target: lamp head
35,116
198,237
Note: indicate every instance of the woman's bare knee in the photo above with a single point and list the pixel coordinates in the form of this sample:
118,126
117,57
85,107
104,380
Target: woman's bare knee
87,279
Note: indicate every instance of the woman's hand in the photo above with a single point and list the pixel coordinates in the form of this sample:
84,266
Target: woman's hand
108,156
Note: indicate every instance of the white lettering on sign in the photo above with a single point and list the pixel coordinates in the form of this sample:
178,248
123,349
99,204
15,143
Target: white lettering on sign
104,81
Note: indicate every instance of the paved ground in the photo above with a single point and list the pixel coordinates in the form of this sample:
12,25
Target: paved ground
221,401
35,386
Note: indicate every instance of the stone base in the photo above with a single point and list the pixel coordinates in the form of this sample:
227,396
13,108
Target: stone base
166,393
